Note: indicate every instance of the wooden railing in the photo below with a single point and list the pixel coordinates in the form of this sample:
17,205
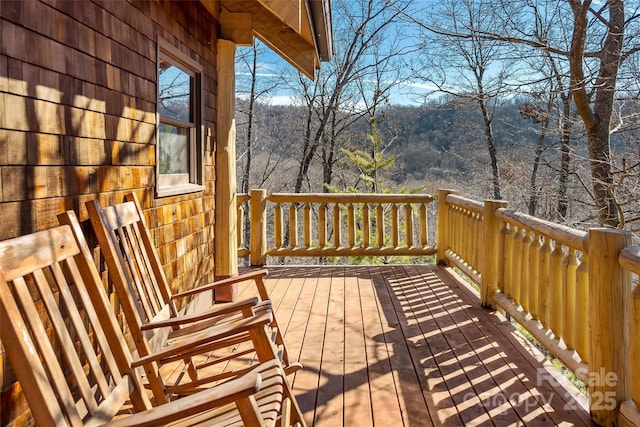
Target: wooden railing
544,284
575,291
630,262
458,248
333,225
563,285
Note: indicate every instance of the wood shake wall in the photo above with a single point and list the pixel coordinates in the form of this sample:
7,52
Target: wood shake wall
78,121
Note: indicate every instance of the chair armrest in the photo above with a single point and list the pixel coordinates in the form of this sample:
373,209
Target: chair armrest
187,343
251,275
222,394
216,310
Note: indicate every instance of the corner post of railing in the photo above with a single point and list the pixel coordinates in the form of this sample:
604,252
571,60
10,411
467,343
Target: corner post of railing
609,288
258,232
492,252
443,228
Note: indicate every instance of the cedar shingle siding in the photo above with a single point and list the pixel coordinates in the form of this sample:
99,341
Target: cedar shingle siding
78,121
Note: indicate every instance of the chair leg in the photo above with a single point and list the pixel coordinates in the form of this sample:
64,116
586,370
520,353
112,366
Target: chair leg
285,420
296,415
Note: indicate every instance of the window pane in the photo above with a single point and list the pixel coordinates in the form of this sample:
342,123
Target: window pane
174,149
175,88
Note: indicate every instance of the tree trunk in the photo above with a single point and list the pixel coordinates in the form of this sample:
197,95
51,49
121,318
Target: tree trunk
248,157
308,151
598,120
601,175
533,190
491,147
565,158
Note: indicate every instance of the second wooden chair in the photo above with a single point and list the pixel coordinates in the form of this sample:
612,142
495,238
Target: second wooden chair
149,306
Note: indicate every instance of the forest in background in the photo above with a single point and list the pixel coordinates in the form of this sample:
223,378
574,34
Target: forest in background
436,145
534,102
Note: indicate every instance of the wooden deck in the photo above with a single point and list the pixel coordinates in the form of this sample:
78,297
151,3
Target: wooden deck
410,346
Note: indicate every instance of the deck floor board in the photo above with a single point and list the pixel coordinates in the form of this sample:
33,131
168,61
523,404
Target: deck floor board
409,345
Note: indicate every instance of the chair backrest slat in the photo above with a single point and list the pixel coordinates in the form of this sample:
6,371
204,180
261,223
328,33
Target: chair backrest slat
147,300
131,246
75,365
41,396
149,263
142,230
91,358
136,271
73,373
42,354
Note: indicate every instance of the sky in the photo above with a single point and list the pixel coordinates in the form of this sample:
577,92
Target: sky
272,66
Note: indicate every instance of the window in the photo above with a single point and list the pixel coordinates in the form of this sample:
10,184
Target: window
179,150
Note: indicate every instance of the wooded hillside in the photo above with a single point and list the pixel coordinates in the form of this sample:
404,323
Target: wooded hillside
435,145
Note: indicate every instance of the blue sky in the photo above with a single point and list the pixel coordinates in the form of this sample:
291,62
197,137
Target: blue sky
271,66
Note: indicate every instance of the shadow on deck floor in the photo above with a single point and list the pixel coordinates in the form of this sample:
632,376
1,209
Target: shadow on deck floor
409,345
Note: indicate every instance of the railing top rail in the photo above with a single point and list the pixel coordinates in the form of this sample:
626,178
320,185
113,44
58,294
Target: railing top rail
630,259
243,197
469,204
568,236
348,198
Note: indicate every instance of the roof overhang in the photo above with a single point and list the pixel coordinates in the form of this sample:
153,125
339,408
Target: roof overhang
298,30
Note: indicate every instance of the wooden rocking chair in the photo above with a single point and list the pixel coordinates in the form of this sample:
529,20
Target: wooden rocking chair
141,285
67,351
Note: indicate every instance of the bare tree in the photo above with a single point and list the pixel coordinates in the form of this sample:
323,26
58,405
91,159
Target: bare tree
471,69
252,87
366,50
601,36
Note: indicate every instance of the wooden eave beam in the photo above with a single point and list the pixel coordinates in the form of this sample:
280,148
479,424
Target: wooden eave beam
297,48
236,27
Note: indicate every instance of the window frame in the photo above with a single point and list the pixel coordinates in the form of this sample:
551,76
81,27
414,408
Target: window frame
176,184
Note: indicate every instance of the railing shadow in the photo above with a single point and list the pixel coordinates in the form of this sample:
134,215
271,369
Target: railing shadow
444,360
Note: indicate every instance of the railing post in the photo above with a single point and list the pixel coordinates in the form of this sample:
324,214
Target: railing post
443,227
610,286
492,251
258,231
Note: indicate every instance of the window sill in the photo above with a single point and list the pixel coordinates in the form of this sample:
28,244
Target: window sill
176,190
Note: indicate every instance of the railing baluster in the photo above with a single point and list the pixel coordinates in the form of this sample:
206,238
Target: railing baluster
544,277
477,240
258,230
394,225
240,227
307,225
336,225
517,266
508,259
570,300
365,225
322,225
351,225
277,225
459,237
408,217
525,275
582,309
557,290
380,225
293,225
422,225
534,272
470,222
